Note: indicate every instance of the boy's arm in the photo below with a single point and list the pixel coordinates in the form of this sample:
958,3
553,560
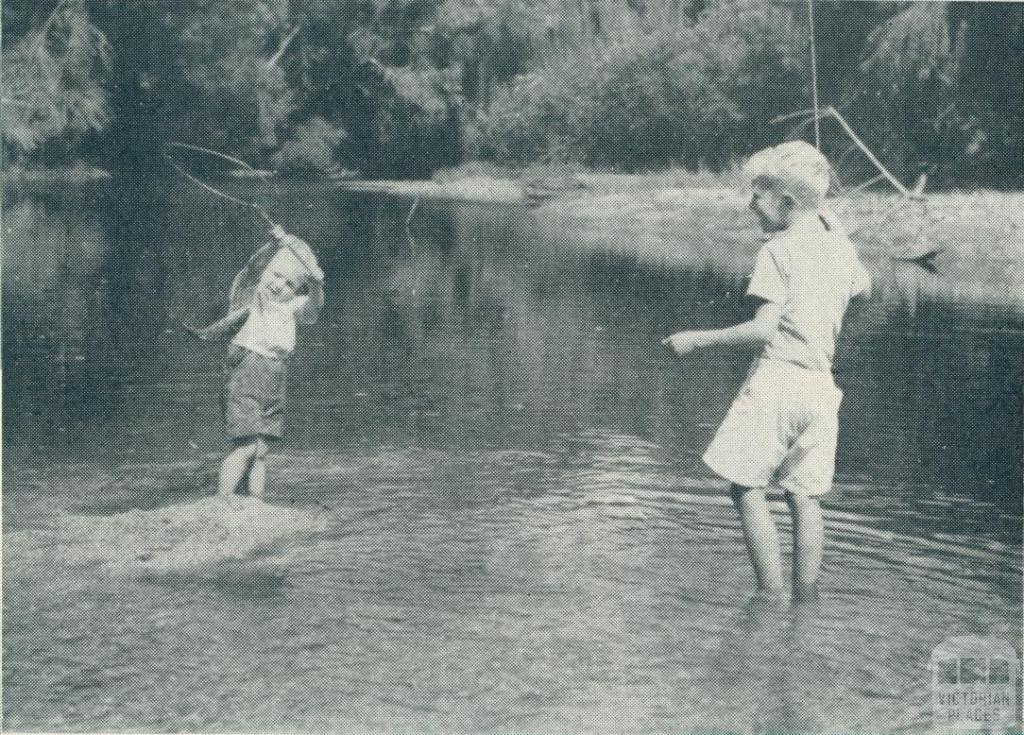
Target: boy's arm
757,331
307,307
221,326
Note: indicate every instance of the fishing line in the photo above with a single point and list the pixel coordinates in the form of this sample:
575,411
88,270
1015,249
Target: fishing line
255,206
210,188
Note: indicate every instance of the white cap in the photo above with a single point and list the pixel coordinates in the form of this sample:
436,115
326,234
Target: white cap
797,166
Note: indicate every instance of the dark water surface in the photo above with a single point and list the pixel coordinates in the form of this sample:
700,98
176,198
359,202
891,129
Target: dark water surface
520,535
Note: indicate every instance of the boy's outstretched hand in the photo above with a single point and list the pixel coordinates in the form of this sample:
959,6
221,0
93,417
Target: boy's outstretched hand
683,343
197,332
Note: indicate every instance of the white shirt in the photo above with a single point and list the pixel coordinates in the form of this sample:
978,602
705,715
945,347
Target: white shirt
812,273
270,327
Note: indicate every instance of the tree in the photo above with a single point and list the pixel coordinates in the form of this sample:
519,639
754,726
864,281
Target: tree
54,85
400,87
698,93
940,80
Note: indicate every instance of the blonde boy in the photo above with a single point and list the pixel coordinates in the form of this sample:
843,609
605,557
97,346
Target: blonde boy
257,356
781,429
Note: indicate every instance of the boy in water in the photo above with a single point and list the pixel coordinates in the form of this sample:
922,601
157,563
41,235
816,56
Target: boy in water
289,290
782,426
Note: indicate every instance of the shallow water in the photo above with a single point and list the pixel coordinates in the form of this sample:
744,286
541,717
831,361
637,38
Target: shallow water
509,526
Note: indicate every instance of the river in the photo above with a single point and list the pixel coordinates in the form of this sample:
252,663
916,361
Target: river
514,530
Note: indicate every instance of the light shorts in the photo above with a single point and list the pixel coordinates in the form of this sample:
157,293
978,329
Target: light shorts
780,430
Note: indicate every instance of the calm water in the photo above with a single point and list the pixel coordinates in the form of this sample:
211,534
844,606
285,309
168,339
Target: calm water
519,533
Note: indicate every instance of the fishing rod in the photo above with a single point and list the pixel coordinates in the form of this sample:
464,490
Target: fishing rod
255,206
212,189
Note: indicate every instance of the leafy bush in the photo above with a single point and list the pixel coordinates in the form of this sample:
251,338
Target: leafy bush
310,148
697,95
934,80
53,83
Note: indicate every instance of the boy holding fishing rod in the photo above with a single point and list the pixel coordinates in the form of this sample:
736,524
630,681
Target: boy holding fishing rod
781,429
280,286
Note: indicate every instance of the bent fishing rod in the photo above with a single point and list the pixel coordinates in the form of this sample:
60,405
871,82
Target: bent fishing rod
255,206
212,189
242,202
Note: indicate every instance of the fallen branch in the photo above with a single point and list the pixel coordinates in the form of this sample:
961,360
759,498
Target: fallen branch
866,184
790,116
871,156
830,111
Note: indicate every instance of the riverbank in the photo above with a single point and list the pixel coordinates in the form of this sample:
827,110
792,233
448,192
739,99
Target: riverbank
975,238
483,183
27,177
475,189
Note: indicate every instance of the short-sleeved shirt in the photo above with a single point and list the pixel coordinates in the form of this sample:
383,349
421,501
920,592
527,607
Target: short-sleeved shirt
269,329
811,271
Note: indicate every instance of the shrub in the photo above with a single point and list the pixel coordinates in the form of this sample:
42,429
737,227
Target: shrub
696,95
53,85
310,147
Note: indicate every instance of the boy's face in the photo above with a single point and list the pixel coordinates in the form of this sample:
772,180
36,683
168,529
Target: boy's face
773,208
281,281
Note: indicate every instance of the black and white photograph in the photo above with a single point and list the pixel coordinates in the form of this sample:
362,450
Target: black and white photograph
512,366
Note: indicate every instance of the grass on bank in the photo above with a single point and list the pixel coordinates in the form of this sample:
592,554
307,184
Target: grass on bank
77,173
979,235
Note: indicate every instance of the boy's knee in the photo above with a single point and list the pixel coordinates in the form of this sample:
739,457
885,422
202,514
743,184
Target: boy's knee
739,492
242,449
262,449
802,503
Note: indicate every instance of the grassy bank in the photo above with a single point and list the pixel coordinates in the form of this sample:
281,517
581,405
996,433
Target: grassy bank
979,235
78,173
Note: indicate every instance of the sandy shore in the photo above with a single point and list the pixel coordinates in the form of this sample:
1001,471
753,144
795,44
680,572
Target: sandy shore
589,186
181,537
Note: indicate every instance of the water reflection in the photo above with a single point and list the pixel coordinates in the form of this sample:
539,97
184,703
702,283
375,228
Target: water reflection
84,300
767,665
56,317
487,328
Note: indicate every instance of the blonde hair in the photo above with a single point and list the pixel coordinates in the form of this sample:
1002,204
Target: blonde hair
797,168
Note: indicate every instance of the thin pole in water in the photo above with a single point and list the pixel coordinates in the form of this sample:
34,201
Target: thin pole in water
814,77
412,210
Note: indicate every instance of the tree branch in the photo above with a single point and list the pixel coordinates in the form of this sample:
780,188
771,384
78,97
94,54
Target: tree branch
282,47
871,156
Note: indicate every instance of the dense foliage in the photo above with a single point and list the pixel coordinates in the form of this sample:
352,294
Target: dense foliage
695,93
402,87
53,85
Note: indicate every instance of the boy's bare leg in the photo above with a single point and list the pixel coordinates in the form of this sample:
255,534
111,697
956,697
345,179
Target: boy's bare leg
234,467
258,470
808,544
761,536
